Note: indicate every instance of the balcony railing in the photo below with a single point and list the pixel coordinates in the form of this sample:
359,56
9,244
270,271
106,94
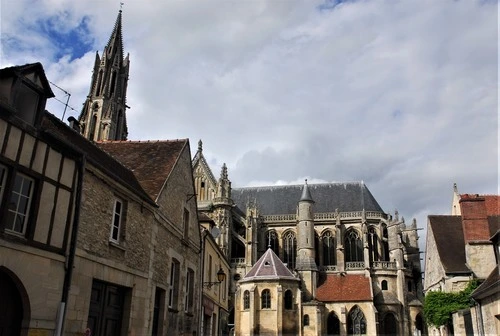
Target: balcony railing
352,265
237,261
329,268
384,265
325,216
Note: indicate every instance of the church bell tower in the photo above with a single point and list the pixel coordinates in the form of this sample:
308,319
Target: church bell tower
103,114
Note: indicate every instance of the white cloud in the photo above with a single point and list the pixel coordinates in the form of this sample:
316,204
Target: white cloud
402,95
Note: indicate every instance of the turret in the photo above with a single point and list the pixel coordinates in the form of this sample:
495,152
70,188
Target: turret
305,264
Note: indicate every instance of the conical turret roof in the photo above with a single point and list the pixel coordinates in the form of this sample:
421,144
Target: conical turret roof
269,267
306,194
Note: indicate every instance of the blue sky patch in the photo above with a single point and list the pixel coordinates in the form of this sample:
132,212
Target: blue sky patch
72,41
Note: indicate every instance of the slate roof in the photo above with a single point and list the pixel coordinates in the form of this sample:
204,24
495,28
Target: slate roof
344,288
54,127
150,161
281,200
269,267
449,237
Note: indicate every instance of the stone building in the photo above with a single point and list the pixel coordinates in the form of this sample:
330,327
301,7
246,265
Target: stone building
351,267
40,183
215,299
459,248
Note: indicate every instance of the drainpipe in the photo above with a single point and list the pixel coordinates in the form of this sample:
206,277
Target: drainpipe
72,250
479,317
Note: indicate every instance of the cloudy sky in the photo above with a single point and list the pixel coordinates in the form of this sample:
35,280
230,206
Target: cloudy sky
400,94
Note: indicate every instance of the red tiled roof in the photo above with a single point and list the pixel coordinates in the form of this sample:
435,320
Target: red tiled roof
348,287
54,127
150,161
474,218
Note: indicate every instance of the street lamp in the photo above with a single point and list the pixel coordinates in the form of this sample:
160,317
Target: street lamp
221,276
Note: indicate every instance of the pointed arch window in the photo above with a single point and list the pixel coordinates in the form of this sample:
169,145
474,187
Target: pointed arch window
289,249
356,322
329,249
119,125
93,122
288,299
385,243
99,83
113,84
265,299
273,242
317,251
333,324
353,246
373,244
246,300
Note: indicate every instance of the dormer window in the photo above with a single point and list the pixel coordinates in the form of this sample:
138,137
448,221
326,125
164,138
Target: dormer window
267,263
26,103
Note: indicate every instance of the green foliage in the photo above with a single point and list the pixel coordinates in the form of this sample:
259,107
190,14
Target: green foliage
438,306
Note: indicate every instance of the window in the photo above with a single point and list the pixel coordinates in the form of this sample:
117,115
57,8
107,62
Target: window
246,300
329,249
356,322
19,204
385,242
173,285
116,224
353,246
272,241
188,299
306,320
27,103
266,299
288,299
289,249
410,287
384,285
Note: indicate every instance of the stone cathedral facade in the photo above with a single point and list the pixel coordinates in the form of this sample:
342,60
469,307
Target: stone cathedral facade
313,259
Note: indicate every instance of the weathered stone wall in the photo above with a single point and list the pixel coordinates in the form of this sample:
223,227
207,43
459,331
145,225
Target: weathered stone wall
434,271
96,215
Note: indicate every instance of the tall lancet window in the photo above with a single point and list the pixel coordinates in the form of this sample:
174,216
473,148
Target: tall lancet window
385,243
273,242
317,252
99,83
119,125
353,246
93,122
289,249
113,84
329,247
356,322
373,244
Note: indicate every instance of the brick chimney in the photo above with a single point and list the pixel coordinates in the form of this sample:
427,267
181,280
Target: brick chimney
474,218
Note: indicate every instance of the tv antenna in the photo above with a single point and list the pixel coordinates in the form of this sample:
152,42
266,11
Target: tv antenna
68,95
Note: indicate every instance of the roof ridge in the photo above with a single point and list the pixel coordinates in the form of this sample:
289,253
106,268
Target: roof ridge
142,141
301,185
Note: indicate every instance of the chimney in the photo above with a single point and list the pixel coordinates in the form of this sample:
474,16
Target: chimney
74,124
474,218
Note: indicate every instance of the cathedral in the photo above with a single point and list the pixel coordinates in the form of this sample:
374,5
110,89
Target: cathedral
310,259
313,259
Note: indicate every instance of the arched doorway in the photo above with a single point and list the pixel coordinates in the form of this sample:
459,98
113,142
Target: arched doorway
419,325
390,325
332,324
12,308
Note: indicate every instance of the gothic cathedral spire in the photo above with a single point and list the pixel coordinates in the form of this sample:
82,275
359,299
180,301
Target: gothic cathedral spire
103,114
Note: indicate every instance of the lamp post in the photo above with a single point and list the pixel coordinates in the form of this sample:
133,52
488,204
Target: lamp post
221,276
